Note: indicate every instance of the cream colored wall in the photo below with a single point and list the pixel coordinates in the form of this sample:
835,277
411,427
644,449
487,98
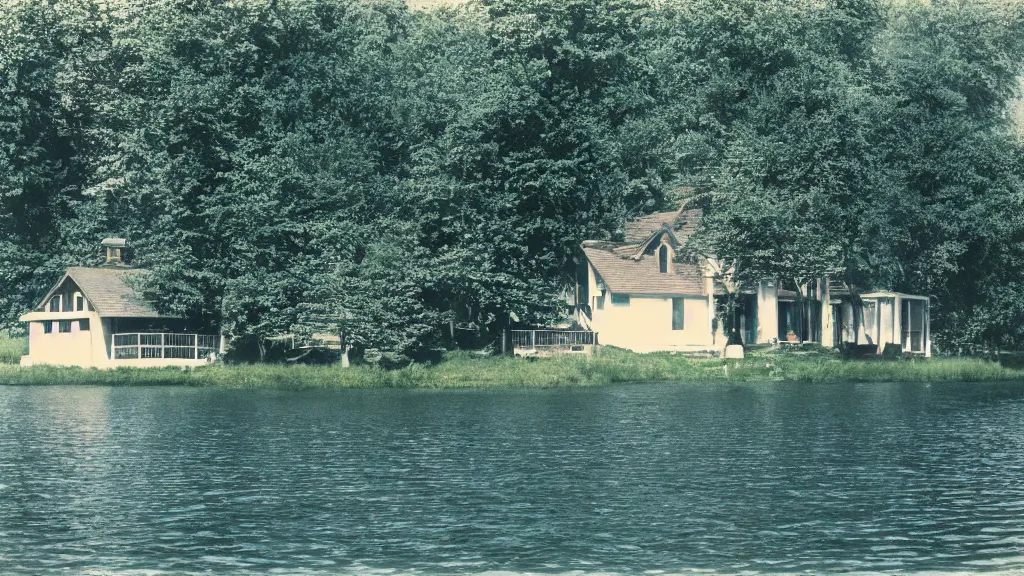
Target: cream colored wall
75,348
767,311
646,324
886,324
825,314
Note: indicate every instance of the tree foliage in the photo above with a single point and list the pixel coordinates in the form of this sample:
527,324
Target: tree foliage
416,180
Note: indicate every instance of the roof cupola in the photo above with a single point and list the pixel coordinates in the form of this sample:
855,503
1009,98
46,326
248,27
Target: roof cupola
114,248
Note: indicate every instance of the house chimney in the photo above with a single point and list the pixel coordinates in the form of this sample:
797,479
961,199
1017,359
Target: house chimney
115,250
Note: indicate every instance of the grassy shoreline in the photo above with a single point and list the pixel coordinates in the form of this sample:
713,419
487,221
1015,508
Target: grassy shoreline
462,370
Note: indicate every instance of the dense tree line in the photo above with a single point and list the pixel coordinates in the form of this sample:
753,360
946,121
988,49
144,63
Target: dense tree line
414,179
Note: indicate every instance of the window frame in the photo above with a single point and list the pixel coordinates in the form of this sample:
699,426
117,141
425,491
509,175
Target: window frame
83,325
54,304
47,327
869,320
623,300
664,259
679,311
62,324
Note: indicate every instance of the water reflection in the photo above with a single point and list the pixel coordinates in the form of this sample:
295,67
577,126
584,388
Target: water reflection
754,478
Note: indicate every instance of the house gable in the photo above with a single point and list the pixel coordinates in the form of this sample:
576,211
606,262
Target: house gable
108,291
634,266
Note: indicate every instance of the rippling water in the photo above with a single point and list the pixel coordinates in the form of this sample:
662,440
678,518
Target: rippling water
775,478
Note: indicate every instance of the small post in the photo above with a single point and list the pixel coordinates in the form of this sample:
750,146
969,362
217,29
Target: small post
504,342
195,340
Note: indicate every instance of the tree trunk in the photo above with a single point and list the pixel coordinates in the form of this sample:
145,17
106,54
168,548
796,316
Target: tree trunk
798,312
343,343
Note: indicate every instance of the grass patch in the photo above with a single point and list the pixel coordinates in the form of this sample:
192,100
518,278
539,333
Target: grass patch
461,370
12,349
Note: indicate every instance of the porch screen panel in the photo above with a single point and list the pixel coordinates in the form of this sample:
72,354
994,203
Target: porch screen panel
870,312
913,325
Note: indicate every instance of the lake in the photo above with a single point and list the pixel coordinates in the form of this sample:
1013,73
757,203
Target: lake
657,478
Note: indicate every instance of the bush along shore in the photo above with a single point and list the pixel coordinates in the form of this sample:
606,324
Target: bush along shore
12,349
464,370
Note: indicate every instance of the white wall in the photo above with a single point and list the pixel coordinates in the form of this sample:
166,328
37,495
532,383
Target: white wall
646,324
767,311
886,325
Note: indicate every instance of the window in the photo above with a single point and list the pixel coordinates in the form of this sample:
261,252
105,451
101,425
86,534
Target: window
912,323
83,325
79,303
55,304
620,299
599,302
677,313
47,327
65,326
870,330
663,259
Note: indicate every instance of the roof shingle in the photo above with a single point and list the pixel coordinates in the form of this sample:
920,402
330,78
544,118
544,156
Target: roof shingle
624,269
110,292
628,276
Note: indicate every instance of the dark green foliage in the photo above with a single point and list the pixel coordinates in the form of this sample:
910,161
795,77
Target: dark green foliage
414,180
48,144
863,140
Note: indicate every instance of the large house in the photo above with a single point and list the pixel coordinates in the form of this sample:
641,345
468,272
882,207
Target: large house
93,317
640,294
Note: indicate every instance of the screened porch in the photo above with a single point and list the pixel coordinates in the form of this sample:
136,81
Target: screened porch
148,345
890,318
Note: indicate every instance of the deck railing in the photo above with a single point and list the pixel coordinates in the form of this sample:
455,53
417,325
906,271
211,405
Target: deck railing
533,339
147,345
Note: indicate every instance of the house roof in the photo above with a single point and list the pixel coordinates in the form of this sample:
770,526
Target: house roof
624,268
629,276
109,291
682,223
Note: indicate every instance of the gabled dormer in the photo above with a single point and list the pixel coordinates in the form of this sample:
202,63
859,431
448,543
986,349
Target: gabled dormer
661,246
107,290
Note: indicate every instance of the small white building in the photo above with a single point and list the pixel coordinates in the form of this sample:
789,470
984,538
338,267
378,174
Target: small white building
93,317
642,295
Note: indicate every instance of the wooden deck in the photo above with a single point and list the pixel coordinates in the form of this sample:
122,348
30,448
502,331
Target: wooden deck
548,342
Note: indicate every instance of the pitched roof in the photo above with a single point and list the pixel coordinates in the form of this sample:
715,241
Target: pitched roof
638,230
625,268
110,292
629,276
682,223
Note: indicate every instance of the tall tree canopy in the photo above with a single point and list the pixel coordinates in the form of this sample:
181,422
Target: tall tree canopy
414,180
